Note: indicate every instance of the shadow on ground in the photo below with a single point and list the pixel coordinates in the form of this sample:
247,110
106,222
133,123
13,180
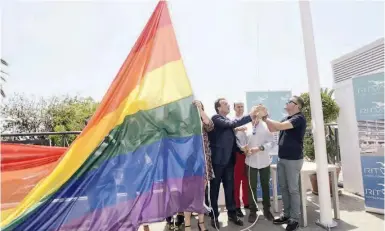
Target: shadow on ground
352,210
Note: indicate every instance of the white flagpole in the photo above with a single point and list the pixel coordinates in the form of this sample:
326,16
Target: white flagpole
317,116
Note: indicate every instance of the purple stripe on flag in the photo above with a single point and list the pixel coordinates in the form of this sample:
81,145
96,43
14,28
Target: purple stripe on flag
165,199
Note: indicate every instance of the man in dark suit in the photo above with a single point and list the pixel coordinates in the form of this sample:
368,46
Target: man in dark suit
223,144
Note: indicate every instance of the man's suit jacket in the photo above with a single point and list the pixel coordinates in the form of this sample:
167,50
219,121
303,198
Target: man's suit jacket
222,139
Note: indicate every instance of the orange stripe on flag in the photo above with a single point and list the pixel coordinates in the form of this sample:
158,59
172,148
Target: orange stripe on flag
156,47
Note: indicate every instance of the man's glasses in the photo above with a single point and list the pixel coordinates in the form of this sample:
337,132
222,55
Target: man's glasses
291,101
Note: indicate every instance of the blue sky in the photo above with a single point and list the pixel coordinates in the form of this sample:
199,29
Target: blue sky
228,46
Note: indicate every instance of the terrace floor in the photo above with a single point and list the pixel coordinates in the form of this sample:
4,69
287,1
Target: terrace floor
352,211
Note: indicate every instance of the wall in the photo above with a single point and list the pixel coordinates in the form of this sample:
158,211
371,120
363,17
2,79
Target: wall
348,138
365,60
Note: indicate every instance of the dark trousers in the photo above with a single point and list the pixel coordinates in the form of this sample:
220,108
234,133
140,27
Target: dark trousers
225,175
264,176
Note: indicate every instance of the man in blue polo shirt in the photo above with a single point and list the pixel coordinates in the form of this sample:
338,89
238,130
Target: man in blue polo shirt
290,152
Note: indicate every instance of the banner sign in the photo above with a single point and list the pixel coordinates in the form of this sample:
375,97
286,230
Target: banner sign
275,102
369,105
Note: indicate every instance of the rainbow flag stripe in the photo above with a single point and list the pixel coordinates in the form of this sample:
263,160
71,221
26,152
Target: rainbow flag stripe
140,158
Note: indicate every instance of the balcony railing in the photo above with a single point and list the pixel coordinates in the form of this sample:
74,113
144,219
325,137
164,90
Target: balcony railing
38,138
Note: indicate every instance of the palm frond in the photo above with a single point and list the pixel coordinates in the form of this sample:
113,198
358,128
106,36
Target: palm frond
1,71
327,91
4,62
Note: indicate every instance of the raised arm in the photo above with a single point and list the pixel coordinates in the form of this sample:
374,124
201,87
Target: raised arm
269,125
208,125
205,119
221,122
294,121
275,126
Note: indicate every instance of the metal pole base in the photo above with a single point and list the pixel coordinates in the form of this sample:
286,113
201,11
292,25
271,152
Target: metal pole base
326,227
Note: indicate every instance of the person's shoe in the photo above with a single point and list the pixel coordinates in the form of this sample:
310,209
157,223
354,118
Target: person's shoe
170,223
267,214
179,222
292,225
239,212
215,223
281,220
200,224
235,219
252,217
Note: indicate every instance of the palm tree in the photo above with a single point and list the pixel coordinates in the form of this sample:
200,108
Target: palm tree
3,74
328,91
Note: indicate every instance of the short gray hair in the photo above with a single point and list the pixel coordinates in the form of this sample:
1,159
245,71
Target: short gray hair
300,101
238,102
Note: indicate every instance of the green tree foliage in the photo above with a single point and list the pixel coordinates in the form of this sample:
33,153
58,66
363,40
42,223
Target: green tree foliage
331,111
332,147
26,114
22,114
329,106
70,114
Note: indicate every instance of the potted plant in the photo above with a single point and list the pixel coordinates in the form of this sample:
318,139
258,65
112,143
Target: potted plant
330,113
332,150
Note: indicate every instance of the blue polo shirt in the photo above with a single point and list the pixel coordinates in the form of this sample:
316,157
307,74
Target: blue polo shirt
290,143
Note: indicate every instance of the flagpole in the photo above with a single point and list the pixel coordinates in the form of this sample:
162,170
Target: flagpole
326,220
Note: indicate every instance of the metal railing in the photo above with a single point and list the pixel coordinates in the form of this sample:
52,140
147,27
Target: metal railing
38,138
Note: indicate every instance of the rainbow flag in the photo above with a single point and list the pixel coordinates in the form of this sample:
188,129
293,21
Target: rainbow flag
140,158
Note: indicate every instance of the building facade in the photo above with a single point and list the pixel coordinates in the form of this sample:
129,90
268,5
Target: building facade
357,137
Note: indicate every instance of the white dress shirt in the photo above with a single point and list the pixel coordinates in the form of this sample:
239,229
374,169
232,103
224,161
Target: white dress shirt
255,136
237,118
